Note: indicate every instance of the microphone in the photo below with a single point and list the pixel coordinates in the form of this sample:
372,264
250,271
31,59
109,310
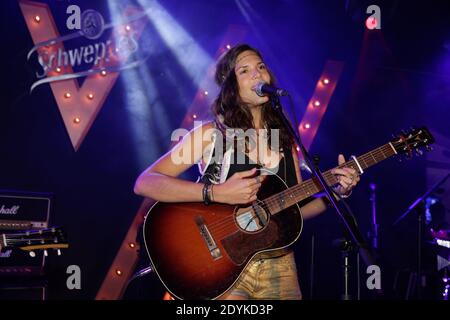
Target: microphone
263,89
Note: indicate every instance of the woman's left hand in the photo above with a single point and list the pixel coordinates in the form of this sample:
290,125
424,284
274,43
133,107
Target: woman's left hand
347,177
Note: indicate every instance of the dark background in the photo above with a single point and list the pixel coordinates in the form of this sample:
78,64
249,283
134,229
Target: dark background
392,79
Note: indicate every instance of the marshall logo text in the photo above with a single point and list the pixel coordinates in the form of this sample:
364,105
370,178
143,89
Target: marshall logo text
12,210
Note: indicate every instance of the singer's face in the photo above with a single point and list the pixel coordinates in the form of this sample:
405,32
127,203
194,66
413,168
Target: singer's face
250,70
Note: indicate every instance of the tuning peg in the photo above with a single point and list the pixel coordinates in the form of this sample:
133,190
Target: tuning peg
45,253
419,152
32,254
429,148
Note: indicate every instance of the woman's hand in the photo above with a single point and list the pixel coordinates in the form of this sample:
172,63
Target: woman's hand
241,188
347,177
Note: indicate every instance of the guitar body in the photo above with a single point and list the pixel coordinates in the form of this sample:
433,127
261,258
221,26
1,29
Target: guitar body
199,251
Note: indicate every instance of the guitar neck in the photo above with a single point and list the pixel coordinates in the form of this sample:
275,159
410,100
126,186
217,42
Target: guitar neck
310,187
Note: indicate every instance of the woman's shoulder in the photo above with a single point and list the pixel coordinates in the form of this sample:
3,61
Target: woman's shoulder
203,125
204,130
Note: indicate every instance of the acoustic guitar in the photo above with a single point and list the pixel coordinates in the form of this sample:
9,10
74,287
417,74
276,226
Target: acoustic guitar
198,251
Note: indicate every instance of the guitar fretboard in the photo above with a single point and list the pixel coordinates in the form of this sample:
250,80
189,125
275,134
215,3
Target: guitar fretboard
310,187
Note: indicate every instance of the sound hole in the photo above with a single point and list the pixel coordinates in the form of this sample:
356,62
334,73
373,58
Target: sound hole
253,218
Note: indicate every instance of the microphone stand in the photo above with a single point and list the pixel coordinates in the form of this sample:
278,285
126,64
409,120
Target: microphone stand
411,208
344,214
420,199
374,234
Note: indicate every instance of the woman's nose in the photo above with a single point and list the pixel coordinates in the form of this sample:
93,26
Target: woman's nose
256,74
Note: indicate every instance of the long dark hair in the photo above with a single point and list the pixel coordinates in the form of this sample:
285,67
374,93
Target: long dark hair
229,109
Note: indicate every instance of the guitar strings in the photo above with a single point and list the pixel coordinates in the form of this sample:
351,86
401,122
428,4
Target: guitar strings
379,153
222,231
271,200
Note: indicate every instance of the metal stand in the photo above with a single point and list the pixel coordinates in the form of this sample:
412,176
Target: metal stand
345,246
373,235
346,270
138,274
343,212
416,282
347,218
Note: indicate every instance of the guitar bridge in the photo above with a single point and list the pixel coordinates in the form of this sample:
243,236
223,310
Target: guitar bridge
206,235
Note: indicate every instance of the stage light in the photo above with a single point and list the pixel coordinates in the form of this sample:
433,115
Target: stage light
194,116
103,73
371,23
307,126
127,27
77,120
67,95
205,93
132,245
90,96
298,148
228,47
316,103
118,272
37,19
142,87
167,296
189,53
326,81
58,69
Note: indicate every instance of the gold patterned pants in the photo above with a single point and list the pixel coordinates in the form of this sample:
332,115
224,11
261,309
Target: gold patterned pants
269,278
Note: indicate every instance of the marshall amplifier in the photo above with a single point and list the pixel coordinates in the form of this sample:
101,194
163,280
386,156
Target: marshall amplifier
23,293
19,212
23,289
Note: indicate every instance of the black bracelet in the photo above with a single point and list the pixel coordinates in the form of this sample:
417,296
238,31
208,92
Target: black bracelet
205,193
211,195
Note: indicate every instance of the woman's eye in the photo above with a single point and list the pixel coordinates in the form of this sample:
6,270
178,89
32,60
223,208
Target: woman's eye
262,67
243,71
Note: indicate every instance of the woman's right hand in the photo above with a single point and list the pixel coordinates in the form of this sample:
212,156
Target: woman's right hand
241,188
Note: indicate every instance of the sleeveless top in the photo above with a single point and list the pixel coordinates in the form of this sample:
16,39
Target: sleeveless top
218,170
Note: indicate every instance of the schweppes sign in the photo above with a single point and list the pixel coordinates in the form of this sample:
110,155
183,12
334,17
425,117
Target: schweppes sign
107,48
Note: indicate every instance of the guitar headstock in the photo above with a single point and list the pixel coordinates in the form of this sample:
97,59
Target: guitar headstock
32,240
413,141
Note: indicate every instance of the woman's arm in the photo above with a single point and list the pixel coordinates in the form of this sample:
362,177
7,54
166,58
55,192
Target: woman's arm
313,208
160,181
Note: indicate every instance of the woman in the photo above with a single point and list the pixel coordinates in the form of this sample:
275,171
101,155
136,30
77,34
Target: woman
231,181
